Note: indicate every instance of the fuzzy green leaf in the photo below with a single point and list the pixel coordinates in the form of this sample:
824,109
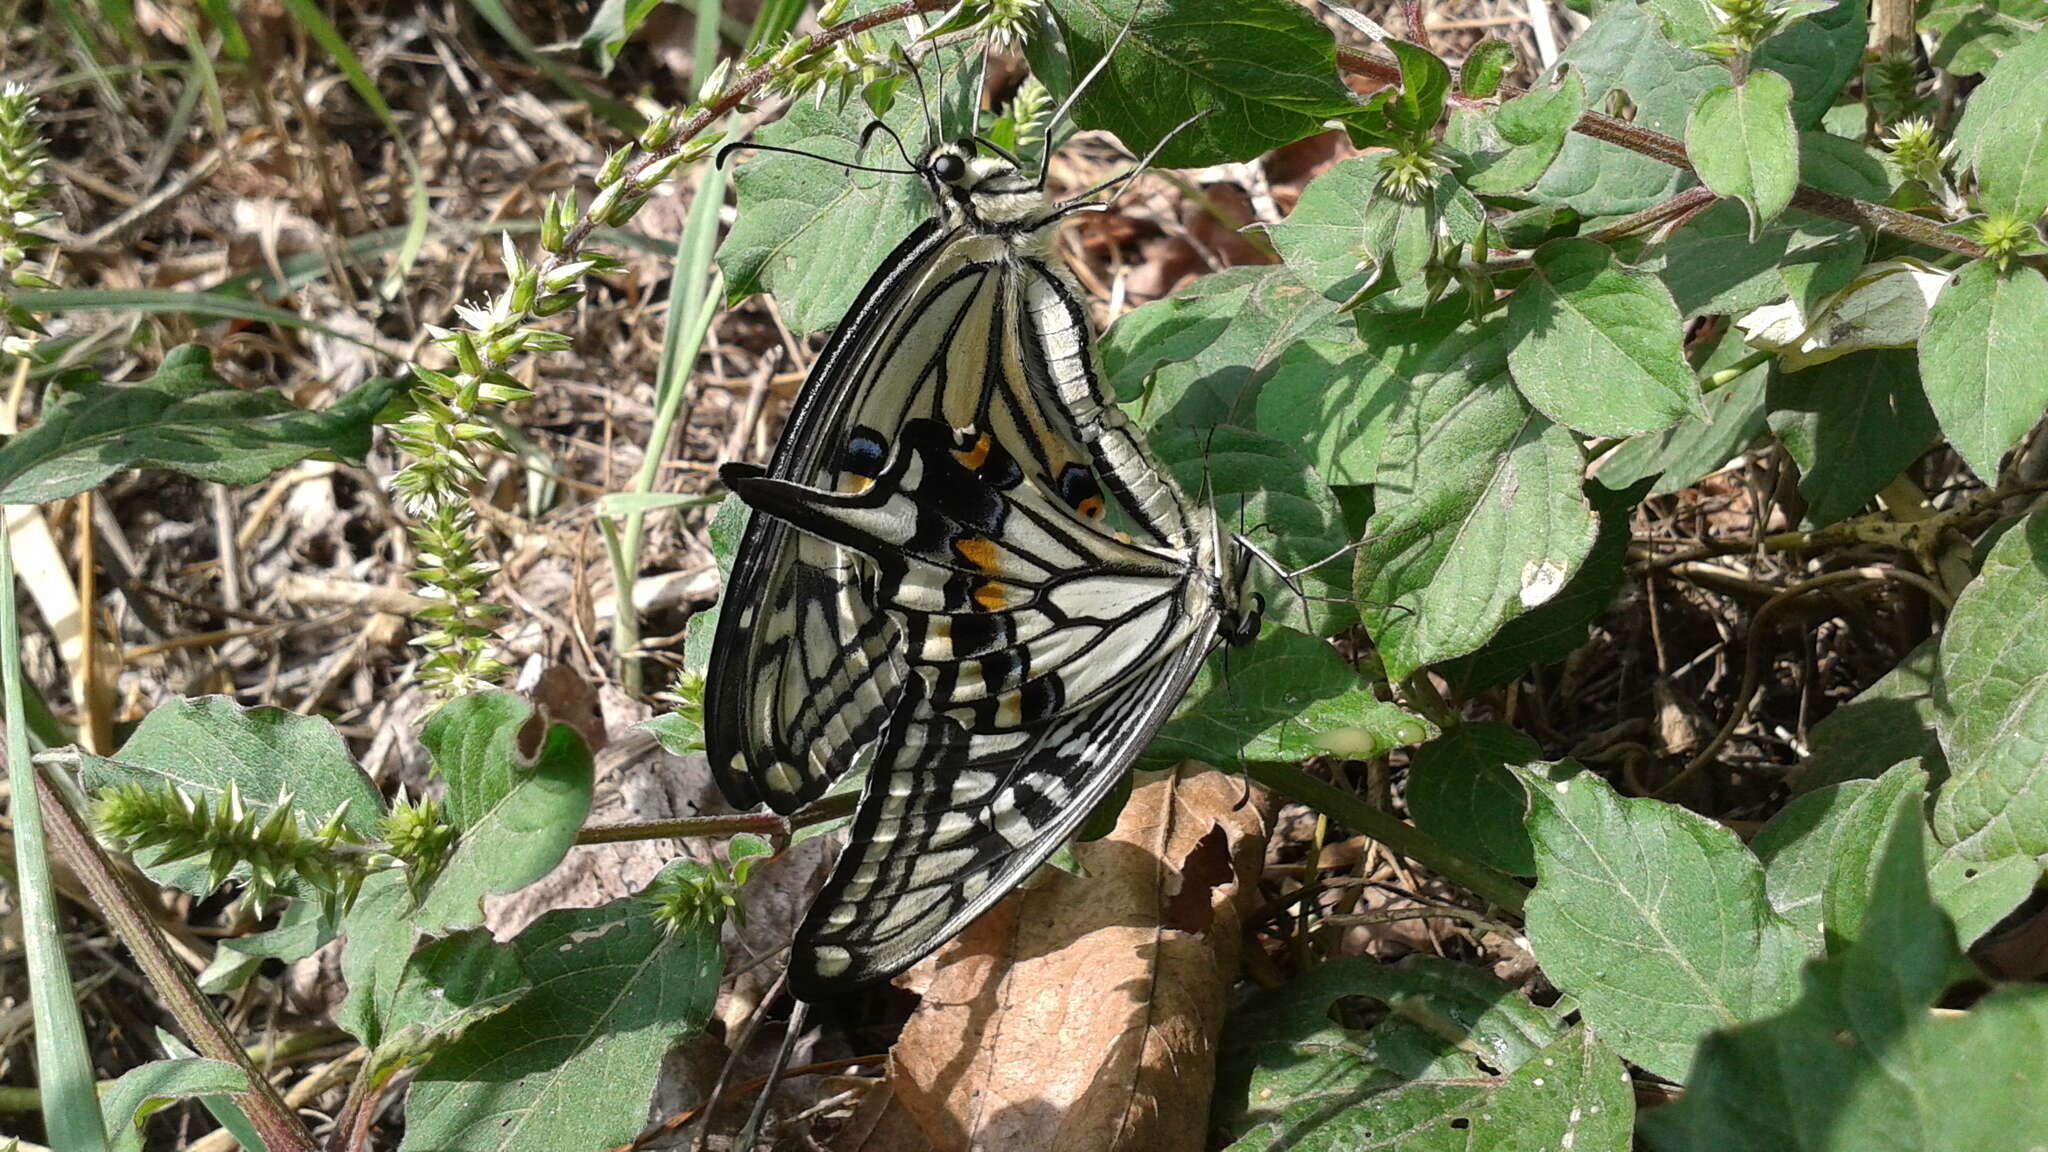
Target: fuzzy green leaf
184,419
2003,135
142,1091
1272,700
1349,236
1461,791
1511,147
1741,142
1489,60
1851,424
1890,721
1982,356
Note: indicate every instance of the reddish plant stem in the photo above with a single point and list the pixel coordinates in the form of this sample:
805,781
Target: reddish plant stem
272,1118
1669,150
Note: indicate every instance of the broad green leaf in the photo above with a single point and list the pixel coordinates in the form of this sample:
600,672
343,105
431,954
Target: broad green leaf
1695,447
1818,53
444,989
1480,515
1859,1064
1685,23
1622,55
379,932
1845,167
1821,855
141,1091
680,732
1461,791
1332,398
1654,919
1258,703
1976,34
1489,60
186,419
1349,237
1418,103
1210,379
203,745
1265,71
811,232
2003,135
1890,721
573,1063
1557,627
1261,487
515,798
1510,147
1851,424
1711,265
1982,358
1741,142
1595,344
1992,706
1299,1050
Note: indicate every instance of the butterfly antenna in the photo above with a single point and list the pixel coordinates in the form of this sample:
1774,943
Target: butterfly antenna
1052,122
875,126
933,132
1122,180
750,1135
750,146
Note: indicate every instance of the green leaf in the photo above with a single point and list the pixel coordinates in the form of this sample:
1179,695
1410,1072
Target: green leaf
1822,851
1557,627
2003,135
1711,265
614,23
1845,167
1479,513
1218,350
1418,103
1976,34
1623,53
811,232
1461,791
1261,486
1348,235
1265,70
1741,142
1489,60
1982,356
1890,721
1511,147
1258,703
1696,447
515,798
1654,919
379,931
186,419
1859,1064
1595,344
1851,424
1884,305
573,1064
1818,53
1332,398
1456,1061
1992,709
141,1091
203,745
442,990
681,733
301,930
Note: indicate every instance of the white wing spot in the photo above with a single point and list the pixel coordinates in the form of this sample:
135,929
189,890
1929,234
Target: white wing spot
832,961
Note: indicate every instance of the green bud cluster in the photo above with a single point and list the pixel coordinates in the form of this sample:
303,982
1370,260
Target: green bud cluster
1746,24
418,834
691,894
268,850
21,213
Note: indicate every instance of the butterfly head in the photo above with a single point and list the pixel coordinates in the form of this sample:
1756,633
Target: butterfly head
986,192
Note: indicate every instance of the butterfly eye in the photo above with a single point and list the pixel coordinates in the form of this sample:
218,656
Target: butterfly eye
949,168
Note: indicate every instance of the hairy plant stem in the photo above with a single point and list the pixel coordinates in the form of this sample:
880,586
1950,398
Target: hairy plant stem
767,824
1670,150
267,1112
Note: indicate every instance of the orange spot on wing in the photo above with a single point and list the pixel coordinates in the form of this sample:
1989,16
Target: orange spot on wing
1091,507
991,596
977,551
973,458
856,483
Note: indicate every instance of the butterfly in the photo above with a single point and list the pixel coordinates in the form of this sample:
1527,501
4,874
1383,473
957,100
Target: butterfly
965,566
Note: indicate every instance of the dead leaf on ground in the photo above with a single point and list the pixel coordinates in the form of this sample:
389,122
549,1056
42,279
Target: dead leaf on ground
1083,1013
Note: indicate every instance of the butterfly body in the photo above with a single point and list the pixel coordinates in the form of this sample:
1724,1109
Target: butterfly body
966,565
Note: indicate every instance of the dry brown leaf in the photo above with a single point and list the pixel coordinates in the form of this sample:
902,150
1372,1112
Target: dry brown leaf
1083,1013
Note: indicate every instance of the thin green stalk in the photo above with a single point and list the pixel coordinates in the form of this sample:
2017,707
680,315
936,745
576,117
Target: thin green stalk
71,1111
689,319
1397,834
